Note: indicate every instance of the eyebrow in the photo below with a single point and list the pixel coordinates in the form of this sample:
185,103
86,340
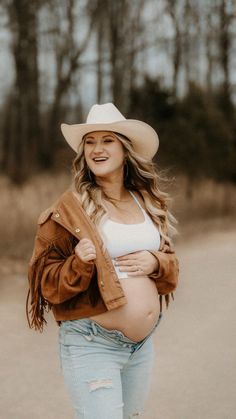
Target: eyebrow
104,136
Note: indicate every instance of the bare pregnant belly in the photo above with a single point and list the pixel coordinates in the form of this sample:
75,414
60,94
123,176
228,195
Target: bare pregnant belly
136,318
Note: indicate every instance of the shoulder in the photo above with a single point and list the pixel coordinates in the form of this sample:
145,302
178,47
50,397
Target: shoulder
64,198
48,226
44,216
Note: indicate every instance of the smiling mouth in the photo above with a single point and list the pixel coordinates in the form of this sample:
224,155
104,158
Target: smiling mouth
100,159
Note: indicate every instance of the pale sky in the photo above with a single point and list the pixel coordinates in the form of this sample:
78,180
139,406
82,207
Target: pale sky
154,60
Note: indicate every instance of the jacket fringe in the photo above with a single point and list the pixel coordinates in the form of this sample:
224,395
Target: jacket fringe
36,305
167,300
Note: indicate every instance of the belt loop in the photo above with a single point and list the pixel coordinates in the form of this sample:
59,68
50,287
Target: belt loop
94,328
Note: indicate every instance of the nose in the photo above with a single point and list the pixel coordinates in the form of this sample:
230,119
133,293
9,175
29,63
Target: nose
97,147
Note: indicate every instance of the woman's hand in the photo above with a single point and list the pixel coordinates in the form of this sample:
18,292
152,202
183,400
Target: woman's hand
85,249
137,263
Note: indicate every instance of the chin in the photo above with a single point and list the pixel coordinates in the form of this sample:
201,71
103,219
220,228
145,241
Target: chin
102,174
106,173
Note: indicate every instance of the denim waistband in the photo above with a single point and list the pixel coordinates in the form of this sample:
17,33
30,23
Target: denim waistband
89,328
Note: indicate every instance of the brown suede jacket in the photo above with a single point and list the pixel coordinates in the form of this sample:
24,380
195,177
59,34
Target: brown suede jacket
61,281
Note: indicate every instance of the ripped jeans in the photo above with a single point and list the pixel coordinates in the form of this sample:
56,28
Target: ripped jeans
107,374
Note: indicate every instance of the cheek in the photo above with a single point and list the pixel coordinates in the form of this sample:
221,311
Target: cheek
119,155
87,161
86,154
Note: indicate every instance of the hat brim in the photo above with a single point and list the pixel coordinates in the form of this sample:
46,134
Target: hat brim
144,138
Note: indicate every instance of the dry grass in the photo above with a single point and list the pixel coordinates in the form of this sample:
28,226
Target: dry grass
204,199
20,208
203,206
197,206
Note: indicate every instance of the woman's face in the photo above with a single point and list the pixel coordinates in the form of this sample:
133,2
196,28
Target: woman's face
104,153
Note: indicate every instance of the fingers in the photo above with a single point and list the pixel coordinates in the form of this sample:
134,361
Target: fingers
85,249
133,263
129,268
142,262
129,263
131,256
126,262
134,270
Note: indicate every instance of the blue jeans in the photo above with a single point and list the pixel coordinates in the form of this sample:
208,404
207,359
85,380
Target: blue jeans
107,374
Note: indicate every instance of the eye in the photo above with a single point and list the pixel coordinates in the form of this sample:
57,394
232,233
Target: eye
88,141
108,140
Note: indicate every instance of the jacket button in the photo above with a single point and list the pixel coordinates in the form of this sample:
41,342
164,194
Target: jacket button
57,215
102,284
77,230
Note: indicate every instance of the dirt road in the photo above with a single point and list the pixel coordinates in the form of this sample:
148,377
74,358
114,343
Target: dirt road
195,367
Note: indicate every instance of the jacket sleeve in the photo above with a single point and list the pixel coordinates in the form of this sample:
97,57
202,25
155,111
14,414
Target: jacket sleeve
166,277
55,274
62,276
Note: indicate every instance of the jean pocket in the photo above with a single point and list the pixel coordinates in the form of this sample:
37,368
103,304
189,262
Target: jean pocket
73,337
75,327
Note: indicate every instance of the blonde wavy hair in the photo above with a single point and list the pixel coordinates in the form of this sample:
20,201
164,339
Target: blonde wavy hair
140,175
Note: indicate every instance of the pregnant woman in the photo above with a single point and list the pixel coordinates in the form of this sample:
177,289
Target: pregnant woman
102,262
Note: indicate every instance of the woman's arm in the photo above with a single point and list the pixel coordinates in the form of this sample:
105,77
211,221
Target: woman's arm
166,275
161,266
58,270
55,274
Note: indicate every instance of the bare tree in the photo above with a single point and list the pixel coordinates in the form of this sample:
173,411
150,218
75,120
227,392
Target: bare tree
119,34
171,8
68,47
100,46
117,13
22,124
226,16
191,40
186,41
137,42
210,47
219,41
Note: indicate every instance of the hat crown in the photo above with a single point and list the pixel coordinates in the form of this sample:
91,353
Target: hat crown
107,117
105,114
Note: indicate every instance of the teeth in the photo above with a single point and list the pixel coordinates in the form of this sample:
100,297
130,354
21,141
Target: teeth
100,159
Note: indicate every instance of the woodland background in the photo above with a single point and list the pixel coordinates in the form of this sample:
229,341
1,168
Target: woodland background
173,65
169,63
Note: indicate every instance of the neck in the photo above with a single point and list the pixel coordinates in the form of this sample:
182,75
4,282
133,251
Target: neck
113,188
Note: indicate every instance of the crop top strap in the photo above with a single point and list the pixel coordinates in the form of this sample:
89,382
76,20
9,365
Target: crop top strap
136,199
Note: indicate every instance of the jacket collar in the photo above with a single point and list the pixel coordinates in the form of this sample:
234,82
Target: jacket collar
69,212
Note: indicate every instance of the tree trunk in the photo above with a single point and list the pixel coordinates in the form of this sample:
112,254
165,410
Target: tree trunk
225,47
22,126
68,54
209,55
100,50
171,7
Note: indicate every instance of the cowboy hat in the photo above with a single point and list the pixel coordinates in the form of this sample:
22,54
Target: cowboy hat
107,117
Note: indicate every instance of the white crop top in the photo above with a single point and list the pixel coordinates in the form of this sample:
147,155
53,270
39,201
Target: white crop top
121,239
